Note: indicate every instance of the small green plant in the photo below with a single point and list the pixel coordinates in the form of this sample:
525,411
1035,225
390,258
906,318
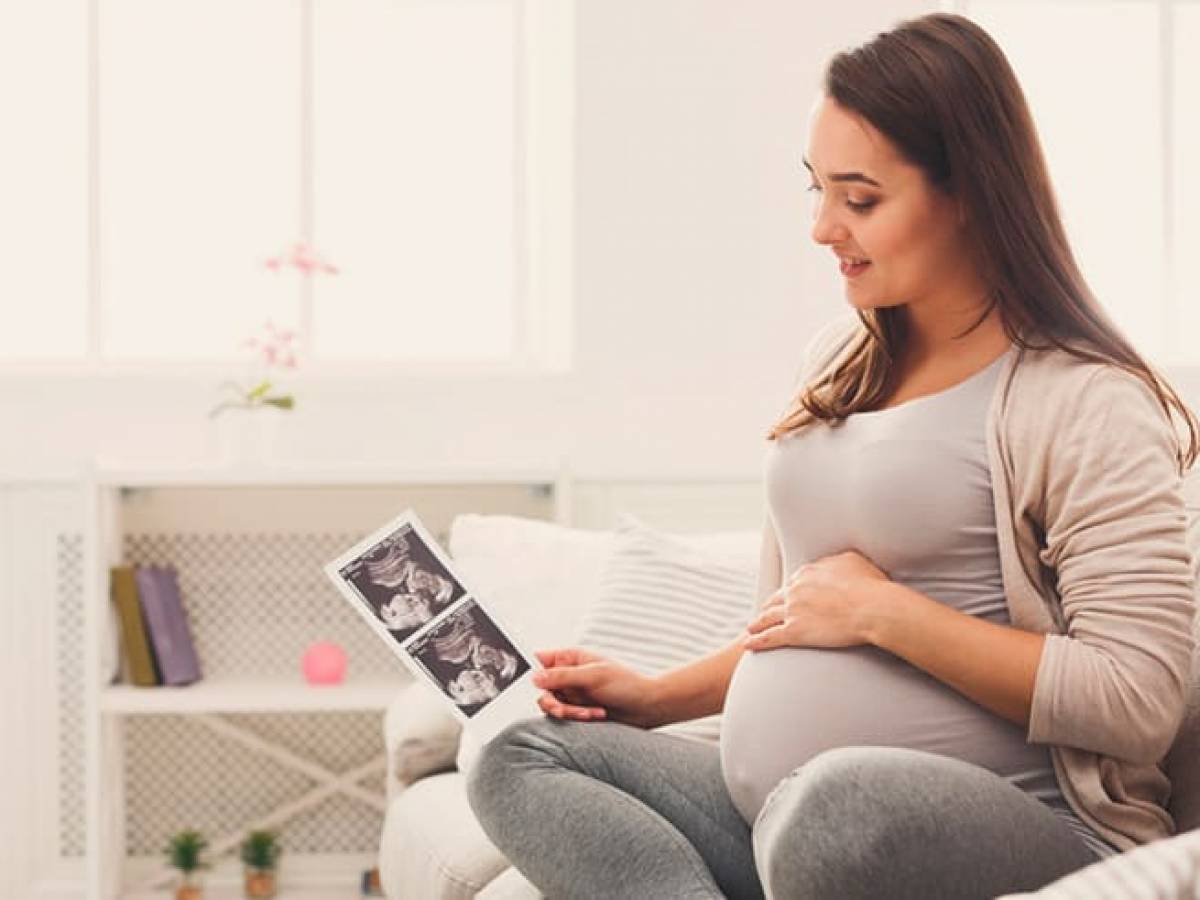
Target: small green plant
185,849
260,849
251,398
273,348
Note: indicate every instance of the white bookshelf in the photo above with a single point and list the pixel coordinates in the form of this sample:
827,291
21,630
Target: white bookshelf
248,696
223,704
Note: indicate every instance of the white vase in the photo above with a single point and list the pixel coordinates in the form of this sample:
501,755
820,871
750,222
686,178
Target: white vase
247,436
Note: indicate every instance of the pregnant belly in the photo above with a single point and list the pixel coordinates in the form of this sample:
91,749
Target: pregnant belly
785,706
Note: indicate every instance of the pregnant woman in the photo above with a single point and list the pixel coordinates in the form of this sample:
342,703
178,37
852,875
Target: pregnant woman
974,623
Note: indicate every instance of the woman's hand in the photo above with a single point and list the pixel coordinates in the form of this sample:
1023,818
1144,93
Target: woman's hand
579,684
826,603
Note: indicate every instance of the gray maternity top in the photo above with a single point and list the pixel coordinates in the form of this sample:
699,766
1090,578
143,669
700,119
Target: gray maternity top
909,488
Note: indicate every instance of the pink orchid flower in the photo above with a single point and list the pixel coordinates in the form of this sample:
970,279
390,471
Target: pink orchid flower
303,258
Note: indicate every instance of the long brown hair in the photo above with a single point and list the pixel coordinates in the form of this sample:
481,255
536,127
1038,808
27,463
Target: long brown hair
943,92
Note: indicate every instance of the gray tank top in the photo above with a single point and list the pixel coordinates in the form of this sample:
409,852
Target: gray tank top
908,487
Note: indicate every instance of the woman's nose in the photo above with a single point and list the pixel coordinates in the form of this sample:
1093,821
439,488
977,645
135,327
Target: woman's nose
826,228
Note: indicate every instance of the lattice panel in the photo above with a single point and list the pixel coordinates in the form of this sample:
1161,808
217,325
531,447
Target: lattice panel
357,741
255,602
179,773
69,637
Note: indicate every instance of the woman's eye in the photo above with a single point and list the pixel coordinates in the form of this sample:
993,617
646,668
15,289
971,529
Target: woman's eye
855,206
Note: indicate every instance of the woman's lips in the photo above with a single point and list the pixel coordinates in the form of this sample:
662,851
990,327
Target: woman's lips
853,270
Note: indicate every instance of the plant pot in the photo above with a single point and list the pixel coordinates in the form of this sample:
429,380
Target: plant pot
189,887
260,883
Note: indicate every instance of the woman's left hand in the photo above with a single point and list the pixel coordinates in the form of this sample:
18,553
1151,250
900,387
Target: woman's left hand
826,603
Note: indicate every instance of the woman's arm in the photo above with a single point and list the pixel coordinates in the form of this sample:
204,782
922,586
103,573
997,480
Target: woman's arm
994,665
697,689
1116,540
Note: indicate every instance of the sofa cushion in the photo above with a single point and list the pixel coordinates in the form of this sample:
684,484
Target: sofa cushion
510,885
432,845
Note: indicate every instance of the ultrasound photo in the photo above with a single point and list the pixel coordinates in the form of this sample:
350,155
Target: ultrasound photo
402,582
469,657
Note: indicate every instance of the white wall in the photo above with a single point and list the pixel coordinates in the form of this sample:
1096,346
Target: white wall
695,285
694,293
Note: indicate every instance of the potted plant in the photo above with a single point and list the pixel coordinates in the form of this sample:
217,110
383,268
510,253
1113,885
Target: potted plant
260,854
183,853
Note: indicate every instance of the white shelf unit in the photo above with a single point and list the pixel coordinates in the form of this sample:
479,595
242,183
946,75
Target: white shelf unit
268,695
229,702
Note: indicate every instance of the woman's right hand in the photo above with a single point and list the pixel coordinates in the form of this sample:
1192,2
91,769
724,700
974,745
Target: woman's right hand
579,684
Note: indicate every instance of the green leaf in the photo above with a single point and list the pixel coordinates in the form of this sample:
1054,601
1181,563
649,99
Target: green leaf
184,850
258,392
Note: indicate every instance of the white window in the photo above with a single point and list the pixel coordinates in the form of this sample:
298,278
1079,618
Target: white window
43,180
393,142
1116,101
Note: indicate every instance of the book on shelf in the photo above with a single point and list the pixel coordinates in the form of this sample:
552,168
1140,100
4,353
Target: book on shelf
166,620
139,656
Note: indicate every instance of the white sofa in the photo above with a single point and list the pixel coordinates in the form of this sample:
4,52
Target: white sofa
541,579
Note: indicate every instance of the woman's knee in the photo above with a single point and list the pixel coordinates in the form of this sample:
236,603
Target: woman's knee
518,749
822,827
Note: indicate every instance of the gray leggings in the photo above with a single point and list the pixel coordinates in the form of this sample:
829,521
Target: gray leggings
602,809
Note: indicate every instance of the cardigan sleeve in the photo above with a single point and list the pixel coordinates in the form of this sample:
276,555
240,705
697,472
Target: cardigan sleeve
1115,539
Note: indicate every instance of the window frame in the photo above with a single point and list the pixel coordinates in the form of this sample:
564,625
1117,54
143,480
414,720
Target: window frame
544,76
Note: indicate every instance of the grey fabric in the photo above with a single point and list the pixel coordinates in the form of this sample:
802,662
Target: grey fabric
606,810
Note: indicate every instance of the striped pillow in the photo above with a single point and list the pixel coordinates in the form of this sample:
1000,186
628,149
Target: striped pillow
1166,869
663,602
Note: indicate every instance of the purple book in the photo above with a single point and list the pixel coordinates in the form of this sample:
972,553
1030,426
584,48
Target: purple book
166,620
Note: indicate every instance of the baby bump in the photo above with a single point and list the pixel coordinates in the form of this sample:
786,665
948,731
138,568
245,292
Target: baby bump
785,706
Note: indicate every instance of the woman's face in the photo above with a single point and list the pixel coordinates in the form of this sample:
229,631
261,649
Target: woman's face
871,204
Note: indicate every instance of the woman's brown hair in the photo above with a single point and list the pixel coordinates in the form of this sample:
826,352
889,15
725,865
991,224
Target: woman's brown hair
943,92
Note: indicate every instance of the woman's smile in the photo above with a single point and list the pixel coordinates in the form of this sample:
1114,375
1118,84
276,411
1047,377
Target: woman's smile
853,269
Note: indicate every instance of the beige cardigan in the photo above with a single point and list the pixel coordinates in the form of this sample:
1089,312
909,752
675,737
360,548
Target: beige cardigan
1091,526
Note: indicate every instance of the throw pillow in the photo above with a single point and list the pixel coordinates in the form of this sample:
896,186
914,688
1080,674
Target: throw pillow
1163,870
664,602
421,737
570,566
538,576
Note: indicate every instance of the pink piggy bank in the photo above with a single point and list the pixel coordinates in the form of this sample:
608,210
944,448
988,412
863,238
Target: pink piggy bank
324,663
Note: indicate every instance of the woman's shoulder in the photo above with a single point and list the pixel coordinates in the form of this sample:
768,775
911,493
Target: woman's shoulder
1061,397
1073,380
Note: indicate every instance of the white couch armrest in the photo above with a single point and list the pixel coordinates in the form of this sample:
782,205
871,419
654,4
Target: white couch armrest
420,735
